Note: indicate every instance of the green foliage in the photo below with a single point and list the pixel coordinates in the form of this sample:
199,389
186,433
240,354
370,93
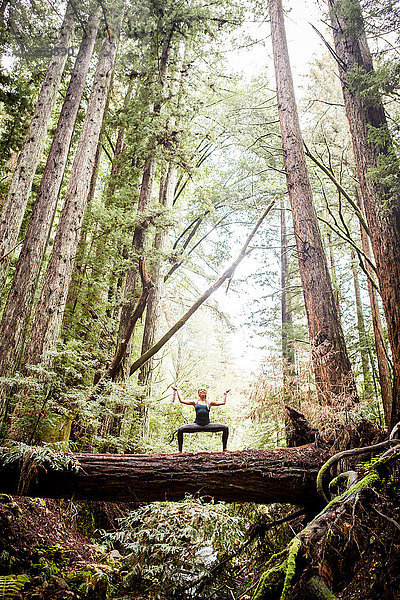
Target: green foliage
11,586
372,85
171,544
46,456
350,12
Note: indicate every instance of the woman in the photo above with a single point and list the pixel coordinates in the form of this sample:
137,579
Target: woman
202,421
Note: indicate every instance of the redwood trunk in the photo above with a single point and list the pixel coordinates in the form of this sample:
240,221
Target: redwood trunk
17,198
132,278
288,357
385,379
18,308
286,475
155,297
49,313
139,237
362,336
381,201
332,369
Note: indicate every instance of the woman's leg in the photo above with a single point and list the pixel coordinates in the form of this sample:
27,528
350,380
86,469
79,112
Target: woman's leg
191,428
219,427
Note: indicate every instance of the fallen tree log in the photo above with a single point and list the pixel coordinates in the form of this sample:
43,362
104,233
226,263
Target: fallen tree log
285,475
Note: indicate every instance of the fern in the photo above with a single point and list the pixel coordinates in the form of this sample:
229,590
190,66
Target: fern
35,459
42,456
11,586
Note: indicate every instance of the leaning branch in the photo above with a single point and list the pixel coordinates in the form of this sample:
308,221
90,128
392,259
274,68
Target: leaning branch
228,273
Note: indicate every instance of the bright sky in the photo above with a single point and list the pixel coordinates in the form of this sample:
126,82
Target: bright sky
304,45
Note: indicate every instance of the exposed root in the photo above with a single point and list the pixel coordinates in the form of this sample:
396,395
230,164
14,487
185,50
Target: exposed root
278,580
346,453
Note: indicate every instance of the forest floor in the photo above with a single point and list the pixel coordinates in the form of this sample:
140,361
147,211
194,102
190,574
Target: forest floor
41,538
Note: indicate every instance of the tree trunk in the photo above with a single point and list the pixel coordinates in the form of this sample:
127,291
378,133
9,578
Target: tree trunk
3,7
156,294
385,379
17,198
288,358
362,336
332,263
332,369
18,308
139,236
367,121
132,277
50,310
286,475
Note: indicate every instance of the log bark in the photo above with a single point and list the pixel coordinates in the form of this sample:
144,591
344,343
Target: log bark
286,475
332,368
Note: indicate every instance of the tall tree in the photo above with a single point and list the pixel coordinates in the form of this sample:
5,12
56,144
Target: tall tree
332,369
145,196
362,335
50,310
18,307
385,378
288,357
376,163
14,206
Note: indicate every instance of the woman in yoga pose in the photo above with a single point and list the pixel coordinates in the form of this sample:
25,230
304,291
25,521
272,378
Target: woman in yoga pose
202,421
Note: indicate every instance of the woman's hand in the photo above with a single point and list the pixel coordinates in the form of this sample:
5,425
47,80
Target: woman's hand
227,391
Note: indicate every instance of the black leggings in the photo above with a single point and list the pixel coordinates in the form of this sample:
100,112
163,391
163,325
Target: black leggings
195,428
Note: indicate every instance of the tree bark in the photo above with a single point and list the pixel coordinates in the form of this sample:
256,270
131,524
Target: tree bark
136,315
14,206
50,310
286,475
362,336
385,379
132,276
367,120
332,369
288,356
155,296
146,189
18,307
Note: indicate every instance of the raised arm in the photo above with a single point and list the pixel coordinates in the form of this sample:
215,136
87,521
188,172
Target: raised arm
223,401
189,402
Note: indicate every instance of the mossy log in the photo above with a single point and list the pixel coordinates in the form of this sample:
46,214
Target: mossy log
285,475
281,573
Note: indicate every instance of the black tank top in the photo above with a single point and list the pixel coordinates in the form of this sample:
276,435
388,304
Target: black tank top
202,414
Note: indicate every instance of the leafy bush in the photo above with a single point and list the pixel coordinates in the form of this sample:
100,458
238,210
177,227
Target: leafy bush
171,545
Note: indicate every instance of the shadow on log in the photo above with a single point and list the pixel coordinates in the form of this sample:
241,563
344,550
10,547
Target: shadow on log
285,475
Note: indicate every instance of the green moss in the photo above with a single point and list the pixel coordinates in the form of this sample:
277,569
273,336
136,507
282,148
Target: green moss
271,582
5,499
294,548
276,582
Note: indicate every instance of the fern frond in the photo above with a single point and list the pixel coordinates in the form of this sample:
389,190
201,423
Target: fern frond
11,586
